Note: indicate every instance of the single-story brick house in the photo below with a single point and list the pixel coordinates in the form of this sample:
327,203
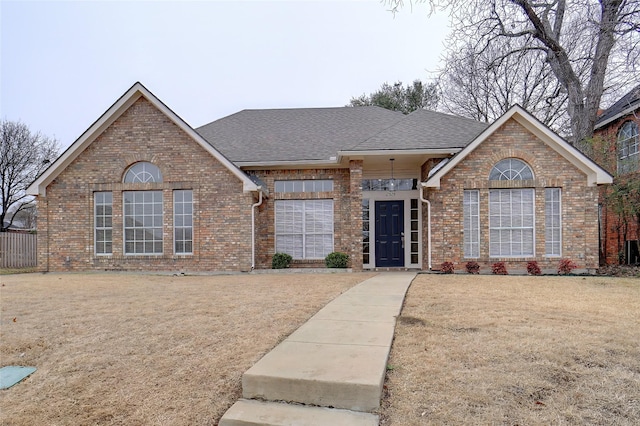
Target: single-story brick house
142,190
617,131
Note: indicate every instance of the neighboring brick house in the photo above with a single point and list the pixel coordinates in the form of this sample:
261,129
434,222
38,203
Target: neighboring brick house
616,136
142,190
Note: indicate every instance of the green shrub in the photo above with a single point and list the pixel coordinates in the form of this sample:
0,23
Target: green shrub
336,260
281,261
447,268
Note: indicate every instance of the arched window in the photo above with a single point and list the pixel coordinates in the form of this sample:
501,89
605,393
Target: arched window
511,212
143,172
628,147
511,169
143,212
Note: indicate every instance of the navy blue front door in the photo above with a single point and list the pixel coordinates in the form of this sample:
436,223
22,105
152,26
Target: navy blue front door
389,233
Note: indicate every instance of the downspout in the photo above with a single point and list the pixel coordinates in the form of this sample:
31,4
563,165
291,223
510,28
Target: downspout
253,228
428,203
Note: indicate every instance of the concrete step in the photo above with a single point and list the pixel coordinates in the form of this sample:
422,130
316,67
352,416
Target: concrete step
338,358
334,363
245,412
330,375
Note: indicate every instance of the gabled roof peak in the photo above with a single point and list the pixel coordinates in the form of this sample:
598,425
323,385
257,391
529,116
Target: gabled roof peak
595,174
135,92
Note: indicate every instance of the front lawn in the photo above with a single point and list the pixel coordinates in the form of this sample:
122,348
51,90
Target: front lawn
516,351
132,349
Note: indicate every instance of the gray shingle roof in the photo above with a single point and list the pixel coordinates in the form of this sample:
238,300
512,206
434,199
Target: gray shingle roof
424,129
319,133
628,100
295,134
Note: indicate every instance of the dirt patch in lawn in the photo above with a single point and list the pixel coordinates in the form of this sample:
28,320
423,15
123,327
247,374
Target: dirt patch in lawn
516,350
144,349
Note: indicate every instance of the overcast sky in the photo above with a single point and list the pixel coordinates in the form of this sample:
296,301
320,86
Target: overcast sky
64,63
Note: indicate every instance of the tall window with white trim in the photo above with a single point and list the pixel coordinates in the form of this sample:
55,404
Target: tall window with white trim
103,215
511,212
553,221
471,223
183,221
143,214
142,222
511,222
304,228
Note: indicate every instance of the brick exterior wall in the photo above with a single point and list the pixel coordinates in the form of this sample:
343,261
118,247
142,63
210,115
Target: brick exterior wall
347,234
579,202
615,229
222,212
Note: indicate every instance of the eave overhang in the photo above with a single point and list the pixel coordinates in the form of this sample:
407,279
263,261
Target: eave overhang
596,175
39,186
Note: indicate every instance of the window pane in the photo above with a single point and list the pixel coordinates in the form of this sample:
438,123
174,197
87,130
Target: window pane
183,221
511,223
471,223
628,148
102,222
511,169
143,172
304,228
143,222
553,228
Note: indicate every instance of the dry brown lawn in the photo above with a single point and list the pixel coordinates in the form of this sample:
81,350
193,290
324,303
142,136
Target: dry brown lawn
116,349
491,350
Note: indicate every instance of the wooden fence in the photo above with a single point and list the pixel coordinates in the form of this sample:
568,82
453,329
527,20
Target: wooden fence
17,250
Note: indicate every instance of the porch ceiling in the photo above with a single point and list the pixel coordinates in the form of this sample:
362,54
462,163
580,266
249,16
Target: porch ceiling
403,161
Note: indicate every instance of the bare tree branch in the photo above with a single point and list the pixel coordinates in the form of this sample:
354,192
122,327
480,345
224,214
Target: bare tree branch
23,156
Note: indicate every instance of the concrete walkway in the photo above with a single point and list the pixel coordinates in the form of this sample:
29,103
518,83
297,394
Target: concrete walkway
332,369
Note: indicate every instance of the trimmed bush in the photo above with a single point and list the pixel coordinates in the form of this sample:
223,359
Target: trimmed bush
281,261
336,260
566,266
472,267
499,268
447,268
533,268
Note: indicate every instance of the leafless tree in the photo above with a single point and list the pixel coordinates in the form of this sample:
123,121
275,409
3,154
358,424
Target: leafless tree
23,156
484,84
590,46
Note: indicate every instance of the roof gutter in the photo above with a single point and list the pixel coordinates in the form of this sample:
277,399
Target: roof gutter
622,113
398,152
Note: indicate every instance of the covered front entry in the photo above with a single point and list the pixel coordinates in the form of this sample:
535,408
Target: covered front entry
389,233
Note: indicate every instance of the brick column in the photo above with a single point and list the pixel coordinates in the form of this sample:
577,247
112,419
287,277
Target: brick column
355,225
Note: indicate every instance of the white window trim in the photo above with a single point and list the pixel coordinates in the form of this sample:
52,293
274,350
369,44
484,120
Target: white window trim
477,223
124,227
546,223
304,233
182,253
532,228
304,186
104,228
132,175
